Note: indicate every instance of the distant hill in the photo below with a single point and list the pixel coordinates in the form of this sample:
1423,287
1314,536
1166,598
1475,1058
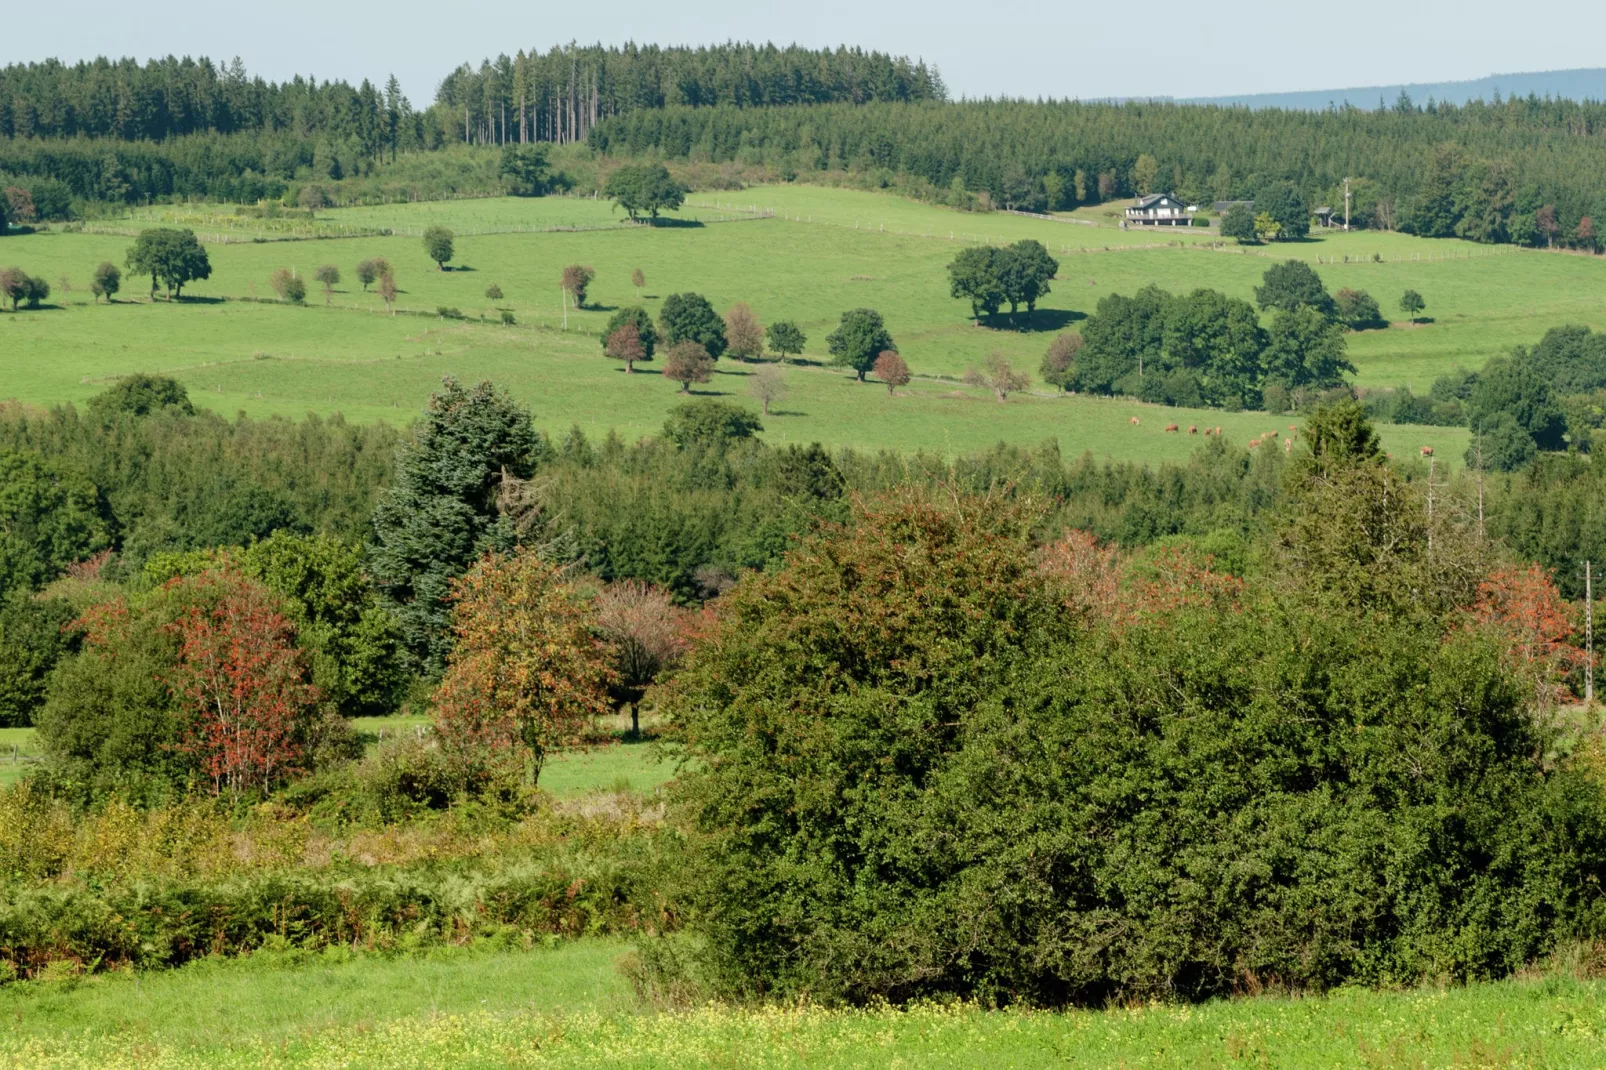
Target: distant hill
1583,84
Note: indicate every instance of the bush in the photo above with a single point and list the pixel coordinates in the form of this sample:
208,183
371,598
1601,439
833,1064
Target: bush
918,767
289,286
507,318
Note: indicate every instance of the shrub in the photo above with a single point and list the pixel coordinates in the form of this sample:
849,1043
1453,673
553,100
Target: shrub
917,768
507,318
289,286
438,245
106,281
576,280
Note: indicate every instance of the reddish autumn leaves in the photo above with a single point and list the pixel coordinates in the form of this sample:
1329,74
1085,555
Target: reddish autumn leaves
242,680
1535,623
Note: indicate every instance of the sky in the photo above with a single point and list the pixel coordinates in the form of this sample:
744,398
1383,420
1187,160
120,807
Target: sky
1063,49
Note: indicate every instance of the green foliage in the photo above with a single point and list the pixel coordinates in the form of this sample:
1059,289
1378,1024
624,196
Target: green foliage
688,317
785,338
524,169
1358,310
1287,208
1500,444
441,513
973,276
170,256
1411,304
51,515
141,395
289,286
645,331
644,188
1059,363
905,730
438,245
1304,348
709,423
1293,284
34,635
106,281
1239,223
1515,388
859,339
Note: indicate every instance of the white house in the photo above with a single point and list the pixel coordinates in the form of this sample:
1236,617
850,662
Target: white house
1159,210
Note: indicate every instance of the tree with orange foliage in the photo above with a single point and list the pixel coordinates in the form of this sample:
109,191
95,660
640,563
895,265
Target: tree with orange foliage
527,670
241,677
1535,623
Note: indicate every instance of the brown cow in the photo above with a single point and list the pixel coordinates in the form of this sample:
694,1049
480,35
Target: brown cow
1427,451
1172,427
1193,429
1218,432
1133,421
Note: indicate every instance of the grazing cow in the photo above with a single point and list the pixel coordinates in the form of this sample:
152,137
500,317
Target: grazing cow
1427,451
1193,429
1172,427
1254,443
1293,427
1218,432
1133,421
1288,445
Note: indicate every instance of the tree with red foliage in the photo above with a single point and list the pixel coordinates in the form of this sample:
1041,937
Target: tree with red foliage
527,670
1535,623
242,679
645,635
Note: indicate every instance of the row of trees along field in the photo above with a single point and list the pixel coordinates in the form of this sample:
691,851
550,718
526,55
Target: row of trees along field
1508,171
1337,717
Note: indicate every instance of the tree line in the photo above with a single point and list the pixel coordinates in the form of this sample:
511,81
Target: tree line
560,95
1510,171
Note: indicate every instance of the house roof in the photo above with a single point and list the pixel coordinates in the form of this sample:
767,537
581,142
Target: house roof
1323,210
1144,202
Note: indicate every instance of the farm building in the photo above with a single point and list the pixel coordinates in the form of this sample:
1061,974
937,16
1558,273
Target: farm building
1159,210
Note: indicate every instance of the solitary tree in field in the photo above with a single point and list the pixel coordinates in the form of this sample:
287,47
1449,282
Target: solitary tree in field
996,375
786,338
329,275
1059,363
527,670
1411,304
973,276
576,280
438,244
859,340
493,292
687,363
171,257
387,291
638,280
644,188
744,335
769,386
891,369
289,286
106,281
625,344
372,270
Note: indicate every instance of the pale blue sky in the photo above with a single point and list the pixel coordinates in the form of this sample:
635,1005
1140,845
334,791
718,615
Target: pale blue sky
1064,49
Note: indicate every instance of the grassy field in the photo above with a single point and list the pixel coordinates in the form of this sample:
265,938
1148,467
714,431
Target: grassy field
808,262
17,750
568,1006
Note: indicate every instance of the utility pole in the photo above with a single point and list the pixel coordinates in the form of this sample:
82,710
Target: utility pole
1346,205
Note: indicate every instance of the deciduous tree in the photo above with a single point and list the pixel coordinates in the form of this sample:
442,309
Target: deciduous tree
768,386
106,281
387,291
289,286
997,375
1293,284
859,339
527,669
625,344
786,338
438,245
576,280
744,335
1059,363
646,333
687,363
891,369
688,317
329,275
172,257
645,635
1411,304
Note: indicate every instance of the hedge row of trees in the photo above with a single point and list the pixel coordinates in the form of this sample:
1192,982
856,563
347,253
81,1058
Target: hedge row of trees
1515,170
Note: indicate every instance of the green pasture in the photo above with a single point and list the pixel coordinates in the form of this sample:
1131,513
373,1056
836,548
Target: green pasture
272,360
18,749
350,357
569,1006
